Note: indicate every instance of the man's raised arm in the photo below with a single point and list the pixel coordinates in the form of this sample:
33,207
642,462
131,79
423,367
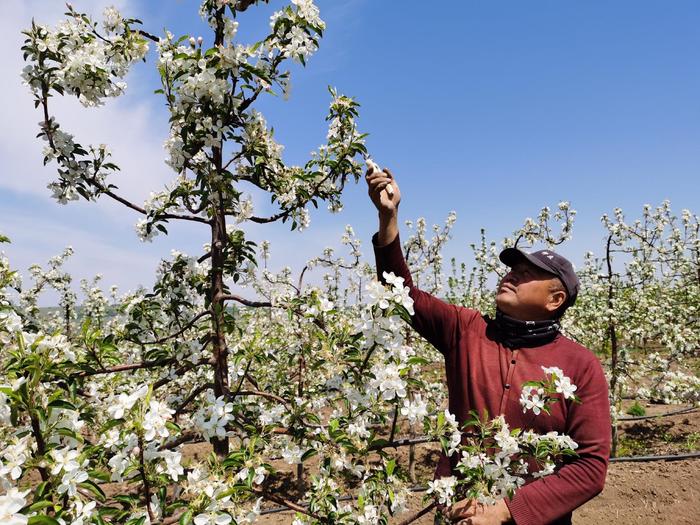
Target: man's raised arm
434,319
387,205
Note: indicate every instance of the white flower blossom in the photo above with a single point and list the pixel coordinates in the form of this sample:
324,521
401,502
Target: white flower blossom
443,489
532,398
10,504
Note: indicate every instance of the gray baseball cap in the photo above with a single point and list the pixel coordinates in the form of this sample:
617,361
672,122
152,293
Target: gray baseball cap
548,261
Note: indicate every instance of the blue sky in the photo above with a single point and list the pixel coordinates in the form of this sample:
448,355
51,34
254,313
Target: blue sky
492,109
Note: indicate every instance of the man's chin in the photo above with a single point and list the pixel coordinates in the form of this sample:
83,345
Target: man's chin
502,302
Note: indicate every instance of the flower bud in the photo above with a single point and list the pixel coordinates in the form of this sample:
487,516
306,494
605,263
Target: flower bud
193,42
199,40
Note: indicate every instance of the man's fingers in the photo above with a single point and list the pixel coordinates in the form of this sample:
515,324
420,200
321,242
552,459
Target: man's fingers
388,172
376,175
378,184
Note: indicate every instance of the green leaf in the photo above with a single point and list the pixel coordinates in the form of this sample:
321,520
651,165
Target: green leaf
60,403
94,488
39,505
309,454
186,518
390,466
40,490
111,424
42,519
415,360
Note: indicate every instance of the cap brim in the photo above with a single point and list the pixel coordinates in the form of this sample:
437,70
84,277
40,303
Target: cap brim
512,256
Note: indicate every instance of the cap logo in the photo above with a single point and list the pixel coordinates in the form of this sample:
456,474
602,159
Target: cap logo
550,257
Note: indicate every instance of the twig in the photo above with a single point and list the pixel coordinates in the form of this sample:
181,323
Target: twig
123,368
185,437
192,397
289,504
144,478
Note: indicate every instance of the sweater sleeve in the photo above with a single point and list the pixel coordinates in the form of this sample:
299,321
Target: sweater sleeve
434,319
582,478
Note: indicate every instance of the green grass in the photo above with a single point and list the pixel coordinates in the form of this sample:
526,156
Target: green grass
692,442
630,446
636,410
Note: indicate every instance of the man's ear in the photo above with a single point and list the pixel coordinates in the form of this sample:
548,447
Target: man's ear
557,298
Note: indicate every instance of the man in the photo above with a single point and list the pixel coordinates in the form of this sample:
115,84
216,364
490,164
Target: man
488,360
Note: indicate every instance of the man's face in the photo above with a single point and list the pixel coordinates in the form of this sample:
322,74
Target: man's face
529,293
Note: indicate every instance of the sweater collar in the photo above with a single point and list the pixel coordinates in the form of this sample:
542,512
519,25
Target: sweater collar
514,333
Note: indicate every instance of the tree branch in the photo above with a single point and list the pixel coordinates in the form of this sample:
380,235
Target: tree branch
124,368
171,336
286,503
185,437
148,35
144,479
246,302
192,396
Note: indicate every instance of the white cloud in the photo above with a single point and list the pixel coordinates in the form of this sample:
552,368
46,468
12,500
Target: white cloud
35,239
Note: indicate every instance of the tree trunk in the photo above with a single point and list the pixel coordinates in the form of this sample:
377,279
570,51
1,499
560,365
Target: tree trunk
614,350
219,240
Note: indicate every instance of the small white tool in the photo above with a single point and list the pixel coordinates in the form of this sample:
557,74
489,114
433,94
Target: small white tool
372,166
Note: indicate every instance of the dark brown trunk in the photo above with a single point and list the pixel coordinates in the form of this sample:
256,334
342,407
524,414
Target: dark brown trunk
67,321
218,245
614,351
40,444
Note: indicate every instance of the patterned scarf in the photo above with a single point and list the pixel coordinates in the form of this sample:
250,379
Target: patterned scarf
513,333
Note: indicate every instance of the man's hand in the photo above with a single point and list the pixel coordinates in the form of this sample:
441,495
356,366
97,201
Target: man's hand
377,181
388,206
469,512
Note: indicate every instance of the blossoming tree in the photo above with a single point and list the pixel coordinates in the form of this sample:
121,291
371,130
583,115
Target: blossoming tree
219,144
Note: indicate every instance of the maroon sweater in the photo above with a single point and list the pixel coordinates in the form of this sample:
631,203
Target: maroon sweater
483,374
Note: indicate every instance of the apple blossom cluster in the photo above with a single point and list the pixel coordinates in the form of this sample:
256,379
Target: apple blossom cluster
666,385
537,396
494,460
443,489
213,500
540,230
424,256
199,97
75,58
214,416
295,31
